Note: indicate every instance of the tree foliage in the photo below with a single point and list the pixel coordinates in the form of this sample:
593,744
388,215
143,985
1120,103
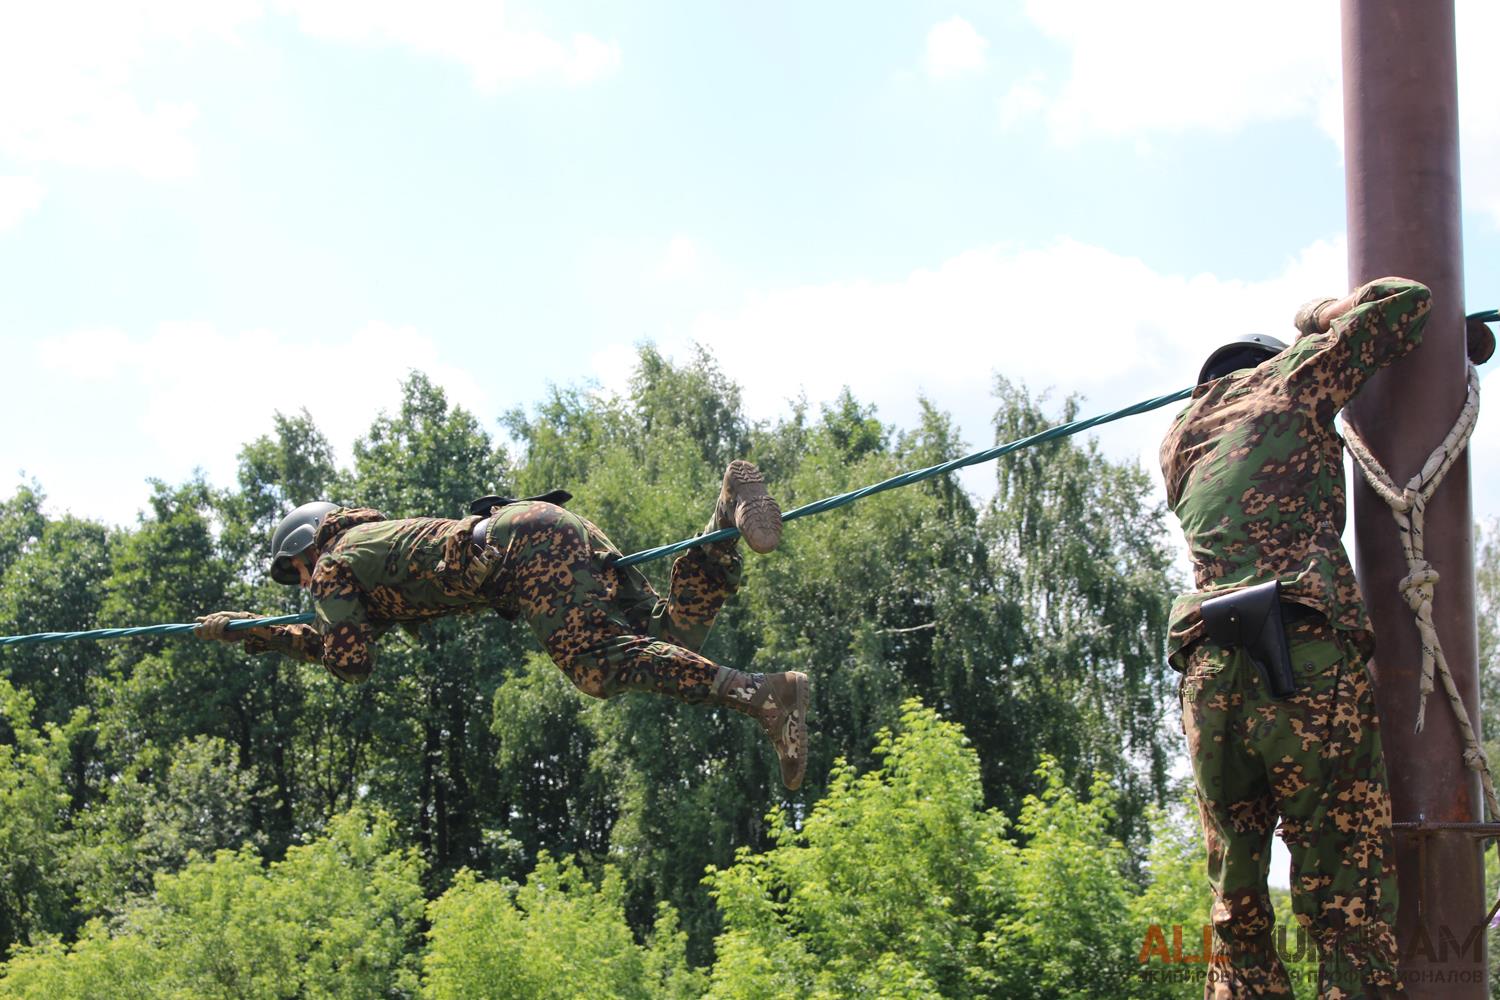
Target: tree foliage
152,778
337,919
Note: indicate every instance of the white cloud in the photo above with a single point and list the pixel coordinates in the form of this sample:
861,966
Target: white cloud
613,366
681,260
954,47
1177,65
474,33
69,68
66,74
19,197
1171,65
1023,100
196,393
88,355
1069,315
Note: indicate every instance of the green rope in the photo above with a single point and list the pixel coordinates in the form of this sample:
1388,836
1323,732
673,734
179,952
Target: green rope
806,510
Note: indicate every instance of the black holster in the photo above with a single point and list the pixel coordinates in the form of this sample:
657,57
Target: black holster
1250,619
483,504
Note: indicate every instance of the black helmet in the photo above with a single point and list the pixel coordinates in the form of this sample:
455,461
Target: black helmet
292,536
1245,352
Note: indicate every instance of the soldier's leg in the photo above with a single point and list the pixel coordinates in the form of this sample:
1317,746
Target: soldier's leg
1237,811
569,593
703,578
565,587
706,576
1322,747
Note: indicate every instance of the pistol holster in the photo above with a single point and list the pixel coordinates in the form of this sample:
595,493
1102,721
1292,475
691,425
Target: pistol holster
1250,619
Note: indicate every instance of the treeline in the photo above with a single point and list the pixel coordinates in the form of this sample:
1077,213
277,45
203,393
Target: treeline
174,808
898,884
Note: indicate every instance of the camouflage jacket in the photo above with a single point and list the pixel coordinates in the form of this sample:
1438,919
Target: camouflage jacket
373,574
1254,467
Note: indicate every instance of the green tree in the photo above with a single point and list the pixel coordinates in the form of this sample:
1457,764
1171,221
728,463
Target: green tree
1034,622
893,886
35,892
53,580
21,523
1487,614
430,749
672,787
557,936
1175,900
315,735
161,812
56,584
1070,932
337,919
164,690
1080,548
544,761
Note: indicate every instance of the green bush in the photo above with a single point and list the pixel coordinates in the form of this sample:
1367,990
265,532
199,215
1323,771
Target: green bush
336,920
558,936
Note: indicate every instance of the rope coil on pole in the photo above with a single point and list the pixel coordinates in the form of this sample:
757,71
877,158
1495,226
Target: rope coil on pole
1408,506
806,510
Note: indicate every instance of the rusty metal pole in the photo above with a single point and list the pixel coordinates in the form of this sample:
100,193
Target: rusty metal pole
1401,170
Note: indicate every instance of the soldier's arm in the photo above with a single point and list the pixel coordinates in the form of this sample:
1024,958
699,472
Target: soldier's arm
1378,323
300,642
348,639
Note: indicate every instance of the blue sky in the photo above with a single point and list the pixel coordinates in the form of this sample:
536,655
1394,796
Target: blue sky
196,199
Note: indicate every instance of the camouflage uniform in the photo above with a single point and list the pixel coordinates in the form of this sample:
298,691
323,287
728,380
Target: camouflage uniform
1254,471
600,622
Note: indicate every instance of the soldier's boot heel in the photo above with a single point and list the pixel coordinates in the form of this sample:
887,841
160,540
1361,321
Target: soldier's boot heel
746,504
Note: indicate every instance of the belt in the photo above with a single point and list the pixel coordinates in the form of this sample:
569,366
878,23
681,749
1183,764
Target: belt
486,504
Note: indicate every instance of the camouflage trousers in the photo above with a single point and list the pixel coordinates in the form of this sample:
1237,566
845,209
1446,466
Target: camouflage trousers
1314,761
602,623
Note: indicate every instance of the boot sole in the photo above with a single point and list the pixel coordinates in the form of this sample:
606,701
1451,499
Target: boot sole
793,781
757,515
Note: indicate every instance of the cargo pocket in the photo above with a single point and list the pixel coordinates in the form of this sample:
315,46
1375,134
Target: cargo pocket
1317,664
1203,661
1204,658
464,568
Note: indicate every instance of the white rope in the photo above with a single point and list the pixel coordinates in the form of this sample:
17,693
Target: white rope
1409,507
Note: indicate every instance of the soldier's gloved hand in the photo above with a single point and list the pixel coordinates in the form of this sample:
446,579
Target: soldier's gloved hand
213,626
1307,317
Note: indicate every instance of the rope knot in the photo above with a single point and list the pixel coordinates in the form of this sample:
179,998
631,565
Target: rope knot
1406,500
1419,585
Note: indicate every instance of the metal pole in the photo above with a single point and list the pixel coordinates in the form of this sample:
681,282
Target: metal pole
1401,170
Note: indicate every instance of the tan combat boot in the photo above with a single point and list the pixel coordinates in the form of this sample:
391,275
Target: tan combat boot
744,503
780,706
779,703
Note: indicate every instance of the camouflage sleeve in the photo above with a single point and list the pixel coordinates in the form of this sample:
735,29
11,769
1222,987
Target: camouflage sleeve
300,642
1327,369
348,637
